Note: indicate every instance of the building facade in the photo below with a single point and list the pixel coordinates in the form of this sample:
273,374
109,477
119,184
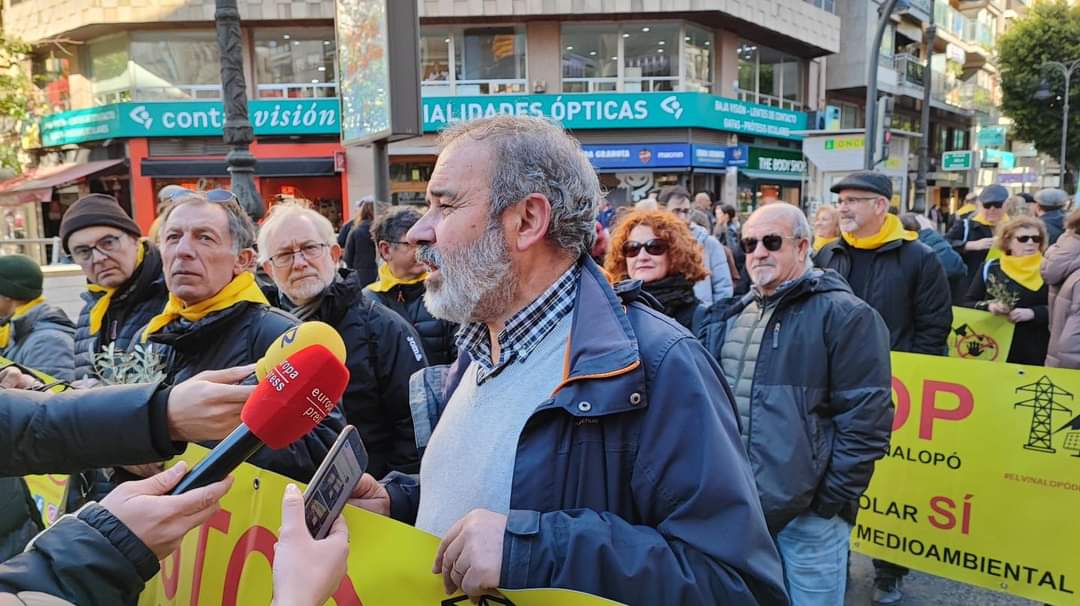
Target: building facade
705,94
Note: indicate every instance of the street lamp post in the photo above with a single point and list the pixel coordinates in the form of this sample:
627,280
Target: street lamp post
924,141
238,132
1067,69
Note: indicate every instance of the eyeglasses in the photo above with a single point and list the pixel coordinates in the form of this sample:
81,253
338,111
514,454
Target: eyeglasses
772,243
993,204
311,252
106,245
654,247
680,211
853,200
1026,239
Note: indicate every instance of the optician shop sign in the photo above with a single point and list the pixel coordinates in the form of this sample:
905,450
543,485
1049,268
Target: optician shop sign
622,110
188,119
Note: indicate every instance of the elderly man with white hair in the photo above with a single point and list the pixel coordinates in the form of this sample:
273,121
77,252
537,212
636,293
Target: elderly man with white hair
808,362
297,249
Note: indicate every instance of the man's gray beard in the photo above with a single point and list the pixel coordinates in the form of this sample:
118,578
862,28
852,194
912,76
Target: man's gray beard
475,283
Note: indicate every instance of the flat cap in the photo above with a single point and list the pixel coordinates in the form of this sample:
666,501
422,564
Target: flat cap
865,181
1051,198
994,193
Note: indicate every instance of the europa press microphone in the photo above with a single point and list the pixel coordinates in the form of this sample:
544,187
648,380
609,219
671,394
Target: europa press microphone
296,338
293,397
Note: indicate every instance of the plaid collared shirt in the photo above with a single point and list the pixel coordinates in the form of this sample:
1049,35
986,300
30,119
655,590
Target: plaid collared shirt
524,330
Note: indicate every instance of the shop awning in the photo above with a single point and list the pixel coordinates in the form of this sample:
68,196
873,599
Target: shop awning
37,185
765,175
269,167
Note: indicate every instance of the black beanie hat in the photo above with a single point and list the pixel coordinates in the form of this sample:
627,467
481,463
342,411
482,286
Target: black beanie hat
20,277
96,209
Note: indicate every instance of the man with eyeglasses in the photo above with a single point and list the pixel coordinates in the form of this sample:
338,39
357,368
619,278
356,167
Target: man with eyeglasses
973,236
401,284
888,267
217,317
901,278
808,362
717,285
298,251
125,285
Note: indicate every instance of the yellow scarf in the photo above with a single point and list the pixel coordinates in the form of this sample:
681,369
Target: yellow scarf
821,242
965,209
1024,270
101,307
890,230
20,311
242,288
388,280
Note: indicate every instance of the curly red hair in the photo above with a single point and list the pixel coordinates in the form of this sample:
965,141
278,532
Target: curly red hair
684,255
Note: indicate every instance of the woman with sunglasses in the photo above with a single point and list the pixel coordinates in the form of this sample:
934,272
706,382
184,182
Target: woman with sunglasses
1012,286
657,248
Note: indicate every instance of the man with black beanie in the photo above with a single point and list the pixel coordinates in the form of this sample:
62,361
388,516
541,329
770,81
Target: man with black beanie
125,285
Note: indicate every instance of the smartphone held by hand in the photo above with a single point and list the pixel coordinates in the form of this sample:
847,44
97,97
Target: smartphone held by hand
334,481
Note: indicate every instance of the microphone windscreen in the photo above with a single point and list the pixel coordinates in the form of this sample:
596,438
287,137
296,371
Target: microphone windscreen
295,396
296,338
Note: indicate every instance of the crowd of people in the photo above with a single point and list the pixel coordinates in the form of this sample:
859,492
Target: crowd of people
664,404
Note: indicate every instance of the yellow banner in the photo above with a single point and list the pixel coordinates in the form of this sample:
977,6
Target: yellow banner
979,335
982,480
227,561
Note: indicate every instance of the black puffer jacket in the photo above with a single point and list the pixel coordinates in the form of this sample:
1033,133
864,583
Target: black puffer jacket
133,304
88,559
437,335
20,519
383,352
360,253
962,232
237,336
907,286
820,408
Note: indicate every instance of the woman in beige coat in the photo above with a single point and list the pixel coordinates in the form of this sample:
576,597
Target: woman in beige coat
1061,270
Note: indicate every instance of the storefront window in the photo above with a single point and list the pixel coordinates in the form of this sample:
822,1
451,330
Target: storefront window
697,53
590,58
769,76
295,62
109,75
650,57
175,65
51,75
487,60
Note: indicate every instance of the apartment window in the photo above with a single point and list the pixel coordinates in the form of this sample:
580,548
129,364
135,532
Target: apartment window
295,62
110,79
825,5
175,65
51,75
486,60
636,57
770,77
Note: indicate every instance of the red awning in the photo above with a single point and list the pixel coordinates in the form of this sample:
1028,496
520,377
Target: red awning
36,185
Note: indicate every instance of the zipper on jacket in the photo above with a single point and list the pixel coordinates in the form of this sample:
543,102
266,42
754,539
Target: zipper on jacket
776,335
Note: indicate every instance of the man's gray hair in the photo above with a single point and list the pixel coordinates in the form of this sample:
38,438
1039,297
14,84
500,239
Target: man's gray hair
392,225
241,229
532,155
285,212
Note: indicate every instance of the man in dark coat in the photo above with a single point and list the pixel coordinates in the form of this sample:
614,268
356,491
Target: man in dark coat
401,284
808,362
1050,208
973,236
583,441
125,286
888,267
217,317
297,249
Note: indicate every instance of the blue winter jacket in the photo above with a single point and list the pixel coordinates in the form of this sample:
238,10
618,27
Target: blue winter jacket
630,481
950,259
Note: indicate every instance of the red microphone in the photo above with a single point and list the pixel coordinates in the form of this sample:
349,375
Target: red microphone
294,397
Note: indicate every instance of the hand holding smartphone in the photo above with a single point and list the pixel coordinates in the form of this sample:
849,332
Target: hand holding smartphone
334,481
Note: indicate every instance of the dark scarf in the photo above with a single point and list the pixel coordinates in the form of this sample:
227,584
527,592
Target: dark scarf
673,292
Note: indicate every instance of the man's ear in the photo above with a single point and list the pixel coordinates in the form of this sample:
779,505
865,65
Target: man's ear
383,247
245,260
527,222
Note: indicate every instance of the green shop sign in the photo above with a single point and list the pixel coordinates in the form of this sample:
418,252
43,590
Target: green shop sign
188,119
622,110
777,160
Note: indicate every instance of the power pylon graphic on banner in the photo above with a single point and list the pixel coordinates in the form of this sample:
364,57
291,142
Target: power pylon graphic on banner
1043,406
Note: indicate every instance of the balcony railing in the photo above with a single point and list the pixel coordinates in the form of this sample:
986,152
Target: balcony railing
909,70
969,30
751,97
296,90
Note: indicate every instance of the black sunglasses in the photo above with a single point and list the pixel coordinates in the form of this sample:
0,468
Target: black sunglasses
993,204
772,243
654,247
1026,239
